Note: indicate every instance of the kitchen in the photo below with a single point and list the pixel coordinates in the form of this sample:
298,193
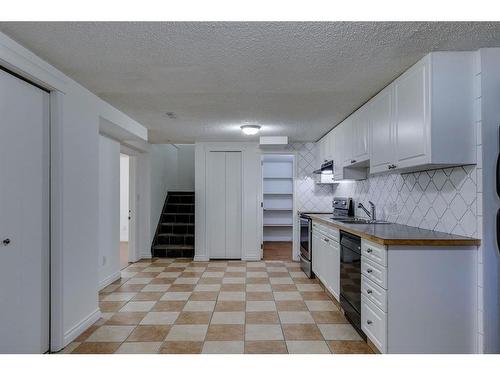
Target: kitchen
403,238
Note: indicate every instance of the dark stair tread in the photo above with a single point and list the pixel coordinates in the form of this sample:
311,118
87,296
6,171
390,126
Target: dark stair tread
178,224
175,235
170,247
178,213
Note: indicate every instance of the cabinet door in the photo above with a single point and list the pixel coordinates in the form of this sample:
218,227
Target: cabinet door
216,204
316,244
382,141
361,134
233,205
329,146
348,136
334,248
338,152
411,120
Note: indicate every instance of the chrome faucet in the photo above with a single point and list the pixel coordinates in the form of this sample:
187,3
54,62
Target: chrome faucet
373,214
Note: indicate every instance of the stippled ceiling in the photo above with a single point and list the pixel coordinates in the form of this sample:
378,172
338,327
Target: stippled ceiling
297,78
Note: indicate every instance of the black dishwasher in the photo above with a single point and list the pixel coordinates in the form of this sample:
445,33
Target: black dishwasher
350,279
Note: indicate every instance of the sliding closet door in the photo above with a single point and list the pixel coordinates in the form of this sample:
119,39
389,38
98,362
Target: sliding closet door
24,217
233,205
216,204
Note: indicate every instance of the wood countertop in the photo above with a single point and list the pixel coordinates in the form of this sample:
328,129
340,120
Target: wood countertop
398,234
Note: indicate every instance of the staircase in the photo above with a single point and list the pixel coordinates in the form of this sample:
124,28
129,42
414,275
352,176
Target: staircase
174,235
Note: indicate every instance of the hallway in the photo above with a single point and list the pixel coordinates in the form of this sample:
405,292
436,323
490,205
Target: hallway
175,306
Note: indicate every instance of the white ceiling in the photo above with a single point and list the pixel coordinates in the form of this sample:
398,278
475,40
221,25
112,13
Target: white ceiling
296,79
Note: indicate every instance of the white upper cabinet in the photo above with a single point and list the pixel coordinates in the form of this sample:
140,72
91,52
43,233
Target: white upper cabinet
381,131
411,115
422,120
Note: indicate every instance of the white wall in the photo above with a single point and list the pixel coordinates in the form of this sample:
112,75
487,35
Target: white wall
109,206
251,212
185,167
163,179
75,192
488,120
124,197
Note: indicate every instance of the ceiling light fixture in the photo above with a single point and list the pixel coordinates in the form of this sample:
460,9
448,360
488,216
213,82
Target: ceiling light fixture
250,129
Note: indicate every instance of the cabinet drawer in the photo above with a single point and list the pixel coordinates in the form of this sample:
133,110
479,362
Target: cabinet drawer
333,233
374,272
374,324
376,294
375,252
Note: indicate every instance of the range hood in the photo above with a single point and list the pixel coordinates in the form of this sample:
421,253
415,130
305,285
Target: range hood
326,168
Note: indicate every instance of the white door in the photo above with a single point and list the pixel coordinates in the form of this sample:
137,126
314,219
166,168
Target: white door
233,205
224,196
216,204
24,217
382,147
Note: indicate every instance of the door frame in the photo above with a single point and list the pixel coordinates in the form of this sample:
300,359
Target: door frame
295,216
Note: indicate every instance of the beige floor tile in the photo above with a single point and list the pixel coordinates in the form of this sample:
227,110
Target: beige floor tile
159,318
168,306
257,280
155,288
259,296
258,288
349,347
110,288
287,296
232,288
111,306
130,288
262,317
138,306
284,288
223,347
256,274
309,288
139,348
154,269
280,280
173,275
181,288
257,332
139,280
301,332
315,296
233,280
296,317
307,347
176,296
231,296
226,332
149,333
321,306
210,280
328,317
204,296
148,296
194,317
125,318
265,347
291,306
186,280
343,332
181,347
229,317
111,334
199,306
207,288
260,306
114,297
230,306
188,332
235,274
96,348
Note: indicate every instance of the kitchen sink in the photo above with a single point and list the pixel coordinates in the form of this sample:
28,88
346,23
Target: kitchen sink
357,220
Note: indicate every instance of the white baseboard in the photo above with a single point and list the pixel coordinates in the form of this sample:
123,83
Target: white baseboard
81,327
145,255
108,280
251,258
201,258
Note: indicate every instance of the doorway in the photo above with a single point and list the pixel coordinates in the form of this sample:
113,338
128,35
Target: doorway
125,211
278,172
24,216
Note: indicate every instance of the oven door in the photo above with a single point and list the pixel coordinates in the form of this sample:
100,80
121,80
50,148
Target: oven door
305,238
350,273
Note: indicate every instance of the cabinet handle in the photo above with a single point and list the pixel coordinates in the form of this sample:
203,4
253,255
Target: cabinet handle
369,250
353,161
369,291
326,239
369,322
369,270
392,166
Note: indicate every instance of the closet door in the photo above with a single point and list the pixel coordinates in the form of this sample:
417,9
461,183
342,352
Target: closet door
216,204
233,205
24,217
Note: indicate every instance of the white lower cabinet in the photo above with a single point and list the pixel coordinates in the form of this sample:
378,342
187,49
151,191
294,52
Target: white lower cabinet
326,257
374,323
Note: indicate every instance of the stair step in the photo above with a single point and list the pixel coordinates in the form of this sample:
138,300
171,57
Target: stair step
178,224
173,247
174,235
178,213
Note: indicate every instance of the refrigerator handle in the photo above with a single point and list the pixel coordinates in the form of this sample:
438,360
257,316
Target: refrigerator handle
498,230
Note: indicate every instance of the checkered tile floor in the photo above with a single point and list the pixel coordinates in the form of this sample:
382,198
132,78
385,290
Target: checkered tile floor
179,306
